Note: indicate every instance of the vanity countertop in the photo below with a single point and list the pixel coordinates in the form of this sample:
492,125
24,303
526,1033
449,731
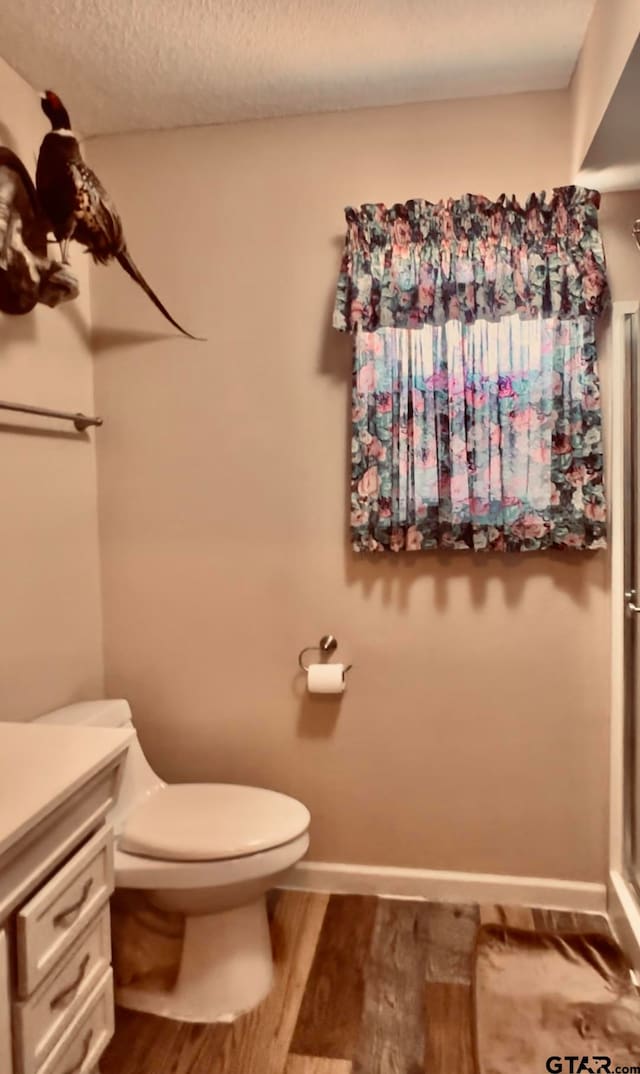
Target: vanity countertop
43,764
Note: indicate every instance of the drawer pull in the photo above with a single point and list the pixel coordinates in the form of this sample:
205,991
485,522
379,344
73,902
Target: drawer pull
77,1067
70,913
63,999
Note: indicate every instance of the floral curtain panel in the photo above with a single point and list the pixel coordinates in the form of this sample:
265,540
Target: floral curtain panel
476,406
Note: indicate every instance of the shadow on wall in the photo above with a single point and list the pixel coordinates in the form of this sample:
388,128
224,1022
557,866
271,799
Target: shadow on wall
574,573
16,329
23,329
6,138
44,433
108,339
317,713
335,350
77,321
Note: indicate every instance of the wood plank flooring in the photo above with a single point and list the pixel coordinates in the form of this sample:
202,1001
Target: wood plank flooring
329,1019
363,986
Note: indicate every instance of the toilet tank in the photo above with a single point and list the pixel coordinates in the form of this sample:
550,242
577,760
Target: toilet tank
92,714
138,778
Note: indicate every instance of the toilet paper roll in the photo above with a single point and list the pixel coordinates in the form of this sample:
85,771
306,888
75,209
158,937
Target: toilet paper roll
325,679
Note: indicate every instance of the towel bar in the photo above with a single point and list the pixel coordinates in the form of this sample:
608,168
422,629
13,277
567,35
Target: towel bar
81,421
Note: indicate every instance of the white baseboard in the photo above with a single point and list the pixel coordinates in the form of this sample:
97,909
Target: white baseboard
440,886
624,913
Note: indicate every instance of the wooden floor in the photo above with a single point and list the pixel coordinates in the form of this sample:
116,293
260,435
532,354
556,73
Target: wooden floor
363,986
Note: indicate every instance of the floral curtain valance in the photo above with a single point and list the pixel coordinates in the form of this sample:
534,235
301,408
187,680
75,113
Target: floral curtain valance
427,263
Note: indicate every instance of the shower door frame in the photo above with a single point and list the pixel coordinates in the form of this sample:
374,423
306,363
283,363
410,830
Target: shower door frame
623,895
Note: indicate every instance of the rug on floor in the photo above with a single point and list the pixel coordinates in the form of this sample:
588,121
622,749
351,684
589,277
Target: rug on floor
541,999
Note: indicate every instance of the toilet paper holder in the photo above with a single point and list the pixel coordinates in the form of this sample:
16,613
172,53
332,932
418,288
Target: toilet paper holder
327,644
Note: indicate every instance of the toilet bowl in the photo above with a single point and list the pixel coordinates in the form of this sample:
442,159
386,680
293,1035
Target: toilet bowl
211,852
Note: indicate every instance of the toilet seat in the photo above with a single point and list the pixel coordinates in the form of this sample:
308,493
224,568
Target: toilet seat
151,874
207,822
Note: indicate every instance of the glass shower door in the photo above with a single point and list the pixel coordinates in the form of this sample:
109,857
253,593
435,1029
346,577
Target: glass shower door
632,598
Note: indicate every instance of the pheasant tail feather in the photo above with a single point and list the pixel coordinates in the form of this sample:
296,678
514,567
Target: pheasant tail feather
124,258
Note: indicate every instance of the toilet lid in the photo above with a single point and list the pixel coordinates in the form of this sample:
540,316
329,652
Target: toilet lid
211,821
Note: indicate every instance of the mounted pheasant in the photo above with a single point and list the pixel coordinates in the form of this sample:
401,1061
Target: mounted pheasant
77,205
27,274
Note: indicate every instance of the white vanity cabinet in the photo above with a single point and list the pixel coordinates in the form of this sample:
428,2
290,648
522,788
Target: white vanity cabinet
57,785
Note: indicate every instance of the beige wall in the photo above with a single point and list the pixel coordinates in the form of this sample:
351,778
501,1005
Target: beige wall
612,32
618,211
50,622
473,734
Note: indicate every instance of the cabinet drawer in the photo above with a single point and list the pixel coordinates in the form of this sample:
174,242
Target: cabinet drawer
53,919
40,1021
34,858
79,1050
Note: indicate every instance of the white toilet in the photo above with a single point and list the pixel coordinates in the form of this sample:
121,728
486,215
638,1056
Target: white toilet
210,851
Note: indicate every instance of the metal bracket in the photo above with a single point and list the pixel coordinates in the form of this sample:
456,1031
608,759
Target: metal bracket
327,644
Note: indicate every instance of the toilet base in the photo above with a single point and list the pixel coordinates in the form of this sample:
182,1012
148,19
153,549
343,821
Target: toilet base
226,968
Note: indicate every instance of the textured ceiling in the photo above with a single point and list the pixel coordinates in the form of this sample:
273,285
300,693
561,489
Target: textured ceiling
131,64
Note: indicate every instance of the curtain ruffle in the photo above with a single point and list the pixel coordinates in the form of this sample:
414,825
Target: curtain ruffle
486,437
471,258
